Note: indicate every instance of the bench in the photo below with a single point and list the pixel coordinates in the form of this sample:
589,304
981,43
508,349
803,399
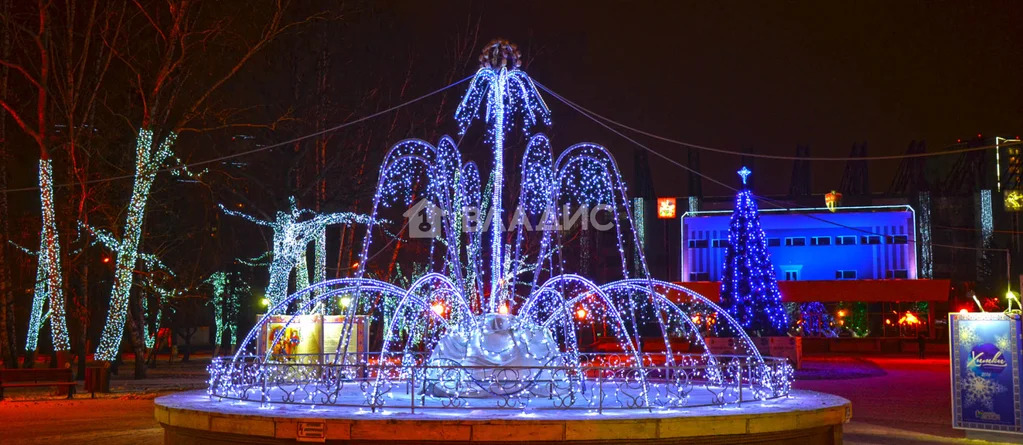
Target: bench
27,378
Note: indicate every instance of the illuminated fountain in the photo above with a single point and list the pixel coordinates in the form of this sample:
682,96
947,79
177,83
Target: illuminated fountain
506,331
493,324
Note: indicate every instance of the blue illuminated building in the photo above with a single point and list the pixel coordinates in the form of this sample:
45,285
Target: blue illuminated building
860,261
854,243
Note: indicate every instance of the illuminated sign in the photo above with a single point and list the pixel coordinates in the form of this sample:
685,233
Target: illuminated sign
665,208
832,200
1013,200
310,338
986,371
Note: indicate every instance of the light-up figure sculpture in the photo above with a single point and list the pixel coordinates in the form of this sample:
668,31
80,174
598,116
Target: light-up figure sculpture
516,344
292,235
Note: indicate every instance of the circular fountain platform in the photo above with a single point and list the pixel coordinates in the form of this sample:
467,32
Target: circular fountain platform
804,417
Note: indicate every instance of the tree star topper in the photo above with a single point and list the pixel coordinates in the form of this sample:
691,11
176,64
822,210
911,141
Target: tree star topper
744,172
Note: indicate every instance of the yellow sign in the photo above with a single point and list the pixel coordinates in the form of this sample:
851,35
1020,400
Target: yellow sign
832,200
665,208
1013,200
309,338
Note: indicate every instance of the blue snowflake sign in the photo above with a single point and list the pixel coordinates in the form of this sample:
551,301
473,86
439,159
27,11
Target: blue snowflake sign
986,350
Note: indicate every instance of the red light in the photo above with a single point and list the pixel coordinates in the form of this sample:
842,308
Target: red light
106,259
438,308
958,140
979,136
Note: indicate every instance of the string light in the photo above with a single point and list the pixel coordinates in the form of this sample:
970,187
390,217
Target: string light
228,288
148,161
443,314
49,287
749,289
292,235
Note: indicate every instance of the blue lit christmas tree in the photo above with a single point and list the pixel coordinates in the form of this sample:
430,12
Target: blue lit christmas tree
749,290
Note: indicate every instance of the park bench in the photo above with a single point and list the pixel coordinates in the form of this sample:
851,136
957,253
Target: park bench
25,378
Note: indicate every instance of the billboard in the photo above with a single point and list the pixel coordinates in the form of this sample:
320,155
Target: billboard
310,338
986,371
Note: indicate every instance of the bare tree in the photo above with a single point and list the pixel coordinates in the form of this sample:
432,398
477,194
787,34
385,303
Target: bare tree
8,348
177,60
49,286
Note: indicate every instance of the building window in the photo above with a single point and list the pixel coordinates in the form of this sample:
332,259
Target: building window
899,274
845,274
848,240
870,239
820,241
699,276
898,239
697,244
720,243
795,241
773,242
791,275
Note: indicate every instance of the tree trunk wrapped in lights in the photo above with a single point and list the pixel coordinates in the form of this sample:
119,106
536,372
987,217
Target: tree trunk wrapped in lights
147,163
51,290
749,289
227,289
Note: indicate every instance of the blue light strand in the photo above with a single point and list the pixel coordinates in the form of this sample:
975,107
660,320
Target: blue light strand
749,289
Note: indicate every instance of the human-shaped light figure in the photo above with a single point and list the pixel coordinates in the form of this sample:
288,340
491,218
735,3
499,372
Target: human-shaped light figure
292,236
508,92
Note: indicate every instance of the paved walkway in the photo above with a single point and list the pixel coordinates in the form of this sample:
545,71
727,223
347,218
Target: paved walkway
896,400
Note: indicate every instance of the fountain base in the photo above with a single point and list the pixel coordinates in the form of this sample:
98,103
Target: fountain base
804,417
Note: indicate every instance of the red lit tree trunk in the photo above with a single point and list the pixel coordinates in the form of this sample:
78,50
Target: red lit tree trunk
49,253
8,348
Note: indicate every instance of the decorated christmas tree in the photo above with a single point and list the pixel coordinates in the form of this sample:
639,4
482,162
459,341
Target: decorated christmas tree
749,290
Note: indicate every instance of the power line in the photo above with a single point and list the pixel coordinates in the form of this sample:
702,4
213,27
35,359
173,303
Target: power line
776,157
778,204
259,149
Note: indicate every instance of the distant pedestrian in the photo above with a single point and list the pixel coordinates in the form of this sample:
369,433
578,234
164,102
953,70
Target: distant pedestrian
921,342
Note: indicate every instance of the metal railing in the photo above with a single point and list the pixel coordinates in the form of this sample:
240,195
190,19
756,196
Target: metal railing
585,381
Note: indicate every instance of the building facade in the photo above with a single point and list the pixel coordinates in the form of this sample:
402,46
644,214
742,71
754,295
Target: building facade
865,243
858,261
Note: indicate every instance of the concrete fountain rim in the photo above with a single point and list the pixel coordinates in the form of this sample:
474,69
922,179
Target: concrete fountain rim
193,414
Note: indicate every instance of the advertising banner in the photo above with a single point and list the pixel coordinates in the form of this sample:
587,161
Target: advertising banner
986,371
310,338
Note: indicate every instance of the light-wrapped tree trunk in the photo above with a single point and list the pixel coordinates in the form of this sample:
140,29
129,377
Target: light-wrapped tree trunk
147,163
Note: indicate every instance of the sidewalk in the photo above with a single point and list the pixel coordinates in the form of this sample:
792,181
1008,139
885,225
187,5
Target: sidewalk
896,399
163,378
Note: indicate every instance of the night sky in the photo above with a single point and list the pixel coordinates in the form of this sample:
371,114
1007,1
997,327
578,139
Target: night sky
764,76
